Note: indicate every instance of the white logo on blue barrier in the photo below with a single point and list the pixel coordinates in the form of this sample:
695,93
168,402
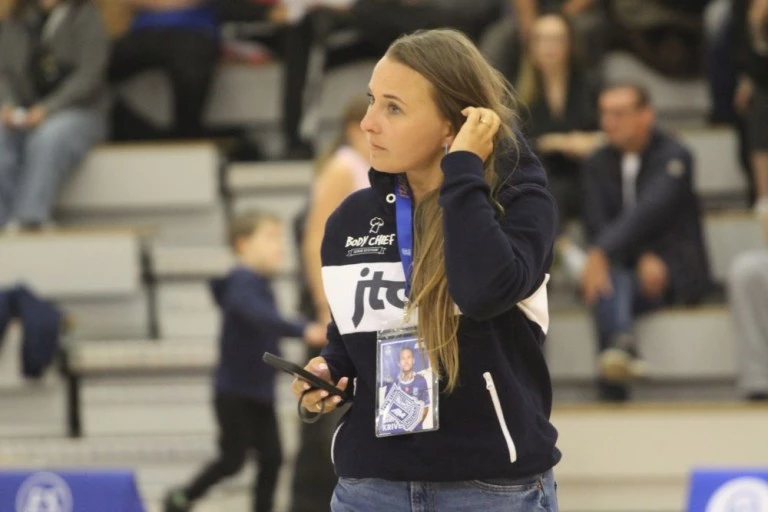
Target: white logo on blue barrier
44,492
746,494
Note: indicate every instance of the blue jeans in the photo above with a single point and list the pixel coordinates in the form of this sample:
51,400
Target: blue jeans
615,316
532,494
34,163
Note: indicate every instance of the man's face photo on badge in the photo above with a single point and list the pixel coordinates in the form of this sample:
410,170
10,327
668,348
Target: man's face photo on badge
406,361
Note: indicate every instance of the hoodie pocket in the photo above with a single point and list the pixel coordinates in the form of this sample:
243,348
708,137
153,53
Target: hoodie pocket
491,387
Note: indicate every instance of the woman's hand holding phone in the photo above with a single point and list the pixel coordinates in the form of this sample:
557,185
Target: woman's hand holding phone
313,400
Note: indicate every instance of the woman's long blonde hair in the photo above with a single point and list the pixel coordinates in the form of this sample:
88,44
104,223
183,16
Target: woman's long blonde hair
460,78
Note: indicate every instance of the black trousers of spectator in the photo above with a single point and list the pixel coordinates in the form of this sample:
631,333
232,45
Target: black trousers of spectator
383,22
244,425
188,56
292,44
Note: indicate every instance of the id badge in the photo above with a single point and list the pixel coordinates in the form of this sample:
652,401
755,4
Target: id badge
407,388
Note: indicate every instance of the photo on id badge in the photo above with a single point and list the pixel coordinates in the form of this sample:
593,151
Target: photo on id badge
406,401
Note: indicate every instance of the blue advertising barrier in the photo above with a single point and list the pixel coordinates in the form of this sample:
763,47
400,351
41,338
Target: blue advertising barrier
69,491
728,490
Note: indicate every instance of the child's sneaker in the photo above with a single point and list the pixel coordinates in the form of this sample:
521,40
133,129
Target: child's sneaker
176,501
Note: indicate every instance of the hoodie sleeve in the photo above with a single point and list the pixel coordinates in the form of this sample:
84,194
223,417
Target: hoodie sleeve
247,304
492,264
336,355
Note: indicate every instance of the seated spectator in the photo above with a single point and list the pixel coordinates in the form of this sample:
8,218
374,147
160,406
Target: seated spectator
644,229
562,110
503,42
748,297
748,279
290,34
383,22
667,35
301,25
751,98
53,55
181,39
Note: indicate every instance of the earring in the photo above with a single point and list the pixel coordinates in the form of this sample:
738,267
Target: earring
445,149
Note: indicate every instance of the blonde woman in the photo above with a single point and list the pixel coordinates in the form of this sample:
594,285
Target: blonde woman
446,255
562,109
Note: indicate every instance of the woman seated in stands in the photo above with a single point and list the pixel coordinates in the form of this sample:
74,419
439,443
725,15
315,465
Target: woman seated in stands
561,121
53,56
181,39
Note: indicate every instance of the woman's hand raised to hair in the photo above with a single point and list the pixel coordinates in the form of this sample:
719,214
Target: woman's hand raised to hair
313,400
477,132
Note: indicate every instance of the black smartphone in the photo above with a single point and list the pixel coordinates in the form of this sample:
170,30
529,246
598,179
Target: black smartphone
302,374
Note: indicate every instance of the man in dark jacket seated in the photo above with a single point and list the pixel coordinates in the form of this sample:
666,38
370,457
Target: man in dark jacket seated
643,227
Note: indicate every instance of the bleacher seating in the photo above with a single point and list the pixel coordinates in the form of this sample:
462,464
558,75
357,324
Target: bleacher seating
184,304
174,188
242,95
145,401
28,409
248,191
729,234
189,261
718,175
93,274
677,101
250,96
679,344
243,178
73,263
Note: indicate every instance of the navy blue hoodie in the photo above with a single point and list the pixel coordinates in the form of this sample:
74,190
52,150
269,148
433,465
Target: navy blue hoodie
251,325
496,422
